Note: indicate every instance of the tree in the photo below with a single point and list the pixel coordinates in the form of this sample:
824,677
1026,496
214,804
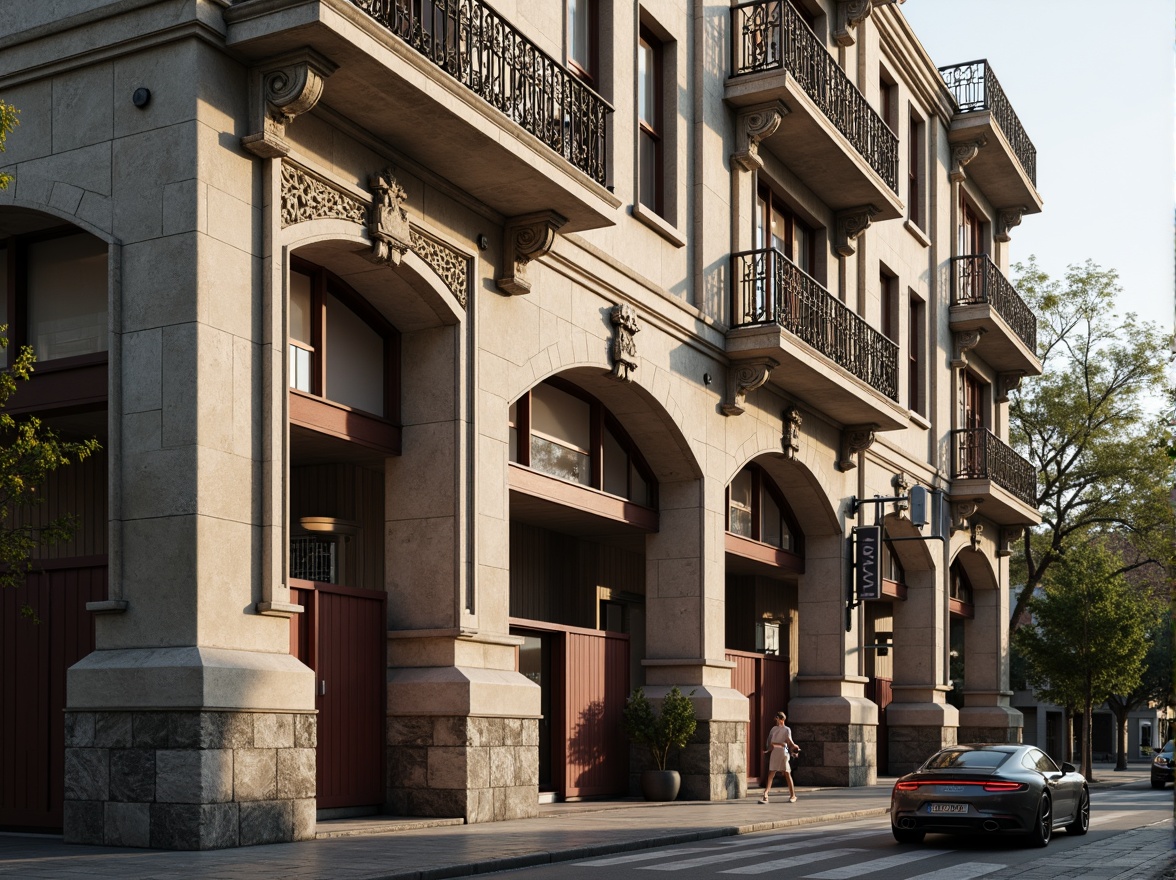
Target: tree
8,121
1088,635
1102,463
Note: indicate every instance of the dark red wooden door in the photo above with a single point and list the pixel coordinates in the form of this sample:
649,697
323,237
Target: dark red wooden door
34,656
763,679
342,636
880,691
596,683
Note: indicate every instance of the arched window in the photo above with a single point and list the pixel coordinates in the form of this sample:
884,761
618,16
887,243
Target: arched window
960,599
756,510
561,431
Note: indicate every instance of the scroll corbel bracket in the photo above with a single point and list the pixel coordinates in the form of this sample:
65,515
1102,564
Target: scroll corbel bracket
1006,220
754,125
526,238
388,224
282,89
848,225
965,341
1006,383
790,435
855,439
850,14
743,378
961,511
1008,536
961,155
624,347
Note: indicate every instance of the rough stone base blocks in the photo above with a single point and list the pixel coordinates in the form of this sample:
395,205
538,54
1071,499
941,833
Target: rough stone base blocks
910,746
713,765
477,769
189,779
835,754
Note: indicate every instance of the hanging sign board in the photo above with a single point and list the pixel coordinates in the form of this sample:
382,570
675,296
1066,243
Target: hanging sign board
867,568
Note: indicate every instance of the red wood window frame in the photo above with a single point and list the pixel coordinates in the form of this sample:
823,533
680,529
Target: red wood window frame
583,21
651,171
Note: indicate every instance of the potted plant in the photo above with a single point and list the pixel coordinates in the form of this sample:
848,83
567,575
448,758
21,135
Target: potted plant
660,732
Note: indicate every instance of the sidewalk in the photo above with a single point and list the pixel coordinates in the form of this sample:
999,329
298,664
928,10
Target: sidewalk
415,849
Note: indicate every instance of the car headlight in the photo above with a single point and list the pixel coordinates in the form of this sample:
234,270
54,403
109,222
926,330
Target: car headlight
1160,761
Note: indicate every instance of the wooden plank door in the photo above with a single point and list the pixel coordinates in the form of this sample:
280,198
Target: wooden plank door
595,685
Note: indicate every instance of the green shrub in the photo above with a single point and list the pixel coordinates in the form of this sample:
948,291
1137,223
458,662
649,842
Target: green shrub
671,728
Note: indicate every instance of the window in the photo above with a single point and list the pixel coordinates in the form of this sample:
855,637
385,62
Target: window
777,226
892,569
651,163
756,510
887,285
887,99
973,401
961,587
573,437
971,233
916,343
582,29
340,348
915,169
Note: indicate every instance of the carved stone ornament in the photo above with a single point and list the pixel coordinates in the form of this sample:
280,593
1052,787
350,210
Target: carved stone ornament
1006,383
1006,220
280,90
977,534
306,197
388,221
526,238
790,437
1008,536
850,13
855,439
744,377
452,267
624,347
754,125
848,225
965,341
901,488
961,155
960,512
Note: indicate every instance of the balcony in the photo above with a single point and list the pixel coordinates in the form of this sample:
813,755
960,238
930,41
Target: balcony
827,355
983,299
1006,167
988,470
832,139
454,86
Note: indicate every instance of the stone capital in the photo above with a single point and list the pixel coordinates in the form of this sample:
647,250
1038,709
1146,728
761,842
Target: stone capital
526,238
961,155
282,89
744,377
855,439
753,125
848,225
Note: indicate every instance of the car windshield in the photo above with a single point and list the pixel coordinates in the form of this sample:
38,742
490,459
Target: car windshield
953,759
1167,749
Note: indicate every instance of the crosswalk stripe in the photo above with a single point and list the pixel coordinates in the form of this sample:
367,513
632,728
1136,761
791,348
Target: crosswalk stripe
732,855
874,865
728,845
962,871
793,861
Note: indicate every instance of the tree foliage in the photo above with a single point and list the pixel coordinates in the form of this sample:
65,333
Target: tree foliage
1088,635
1101,460
9,119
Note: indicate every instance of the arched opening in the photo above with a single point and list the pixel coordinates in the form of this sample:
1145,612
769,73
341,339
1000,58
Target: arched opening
971,592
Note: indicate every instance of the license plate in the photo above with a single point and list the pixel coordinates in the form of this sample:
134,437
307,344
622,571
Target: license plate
947,808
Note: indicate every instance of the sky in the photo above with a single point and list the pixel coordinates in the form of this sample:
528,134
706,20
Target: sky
1092,83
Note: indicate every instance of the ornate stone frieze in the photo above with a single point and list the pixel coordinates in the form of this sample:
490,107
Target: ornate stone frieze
1009,535
961,155
452,267
752,126
961,511
744,377
527,238
1006,220
1006,383
855,439
282,89
388,220
965,341
790,437
624,347
848,225
306,197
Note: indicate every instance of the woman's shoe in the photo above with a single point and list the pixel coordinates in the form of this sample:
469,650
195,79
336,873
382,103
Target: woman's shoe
792,799
764,799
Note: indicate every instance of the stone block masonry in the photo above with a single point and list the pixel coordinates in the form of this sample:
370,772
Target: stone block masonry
189,779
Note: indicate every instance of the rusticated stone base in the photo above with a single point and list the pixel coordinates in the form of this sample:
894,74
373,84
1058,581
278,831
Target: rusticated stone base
910,746
476,769
713,765
189,780
835,754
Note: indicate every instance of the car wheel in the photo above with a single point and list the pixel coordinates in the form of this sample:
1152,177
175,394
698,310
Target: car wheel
1158,783
1081,823
907,835
1042,829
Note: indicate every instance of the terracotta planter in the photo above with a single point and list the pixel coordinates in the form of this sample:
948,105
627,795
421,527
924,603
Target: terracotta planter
660,785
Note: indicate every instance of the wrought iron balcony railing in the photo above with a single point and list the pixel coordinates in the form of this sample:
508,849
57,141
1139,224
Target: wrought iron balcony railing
770,35
981,455
976,280
485,53
769,288
975,87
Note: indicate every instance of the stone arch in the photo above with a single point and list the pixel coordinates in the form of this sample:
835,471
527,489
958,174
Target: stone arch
798,478
25,211
913,555
977,566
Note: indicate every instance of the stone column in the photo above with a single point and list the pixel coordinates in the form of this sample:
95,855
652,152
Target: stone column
685,624
987,715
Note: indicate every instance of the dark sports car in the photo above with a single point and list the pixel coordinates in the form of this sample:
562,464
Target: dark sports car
990,789
1162,764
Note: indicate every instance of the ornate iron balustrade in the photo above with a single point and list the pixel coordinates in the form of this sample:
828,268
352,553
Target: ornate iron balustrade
769,288
770,35
975,87
484,52
981,455
976,280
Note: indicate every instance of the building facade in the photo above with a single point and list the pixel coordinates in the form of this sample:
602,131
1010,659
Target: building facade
459,369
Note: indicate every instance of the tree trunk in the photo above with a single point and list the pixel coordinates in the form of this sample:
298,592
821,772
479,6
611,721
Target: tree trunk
1087,730
1121,739
1068,735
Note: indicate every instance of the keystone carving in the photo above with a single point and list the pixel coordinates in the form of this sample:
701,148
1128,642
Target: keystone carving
743,378
755,125
1006,220
977,534
855,439
960,512
848,225
1006,383
282,89
624,348
387,220
961,155
526,238
901,488
1008,536
965,341
790,437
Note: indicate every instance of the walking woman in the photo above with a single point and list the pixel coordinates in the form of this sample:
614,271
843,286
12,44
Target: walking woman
782,747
